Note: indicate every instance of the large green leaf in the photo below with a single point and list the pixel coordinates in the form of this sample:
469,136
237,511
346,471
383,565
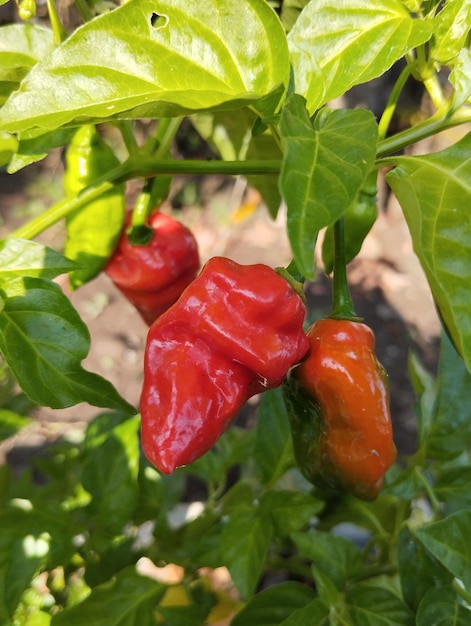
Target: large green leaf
448,541
324,167
435,195
157,58
127,599
21,47
44,340
336,45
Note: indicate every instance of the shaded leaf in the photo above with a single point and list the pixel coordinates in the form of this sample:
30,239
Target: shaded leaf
316,613
419,571
377,606
448,541
452,488
272,606
450,431
289,510
335,46
161,59
244,543
335,556
435,194
273,452
44,340
323,168
441,607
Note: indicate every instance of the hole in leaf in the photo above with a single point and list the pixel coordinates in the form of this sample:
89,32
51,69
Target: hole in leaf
158,21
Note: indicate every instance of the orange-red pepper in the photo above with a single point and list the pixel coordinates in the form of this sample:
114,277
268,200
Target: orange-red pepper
343,435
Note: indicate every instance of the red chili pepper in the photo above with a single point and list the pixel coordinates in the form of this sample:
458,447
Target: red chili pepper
235,331
343,435
153,276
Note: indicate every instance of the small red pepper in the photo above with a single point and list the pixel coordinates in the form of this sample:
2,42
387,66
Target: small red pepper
153,276
235,331
343,434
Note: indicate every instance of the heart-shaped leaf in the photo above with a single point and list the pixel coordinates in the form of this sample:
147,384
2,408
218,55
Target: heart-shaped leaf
322,171
44,341
157,58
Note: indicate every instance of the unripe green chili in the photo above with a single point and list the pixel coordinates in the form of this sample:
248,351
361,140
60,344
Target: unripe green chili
358,220
94,229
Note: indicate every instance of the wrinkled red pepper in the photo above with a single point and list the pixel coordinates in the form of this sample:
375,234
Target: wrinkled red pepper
153,276
235,331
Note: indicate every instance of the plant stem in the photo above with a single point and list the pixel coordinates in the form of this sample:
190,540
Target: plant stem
391,104
435,124
147,166
58,30
84,10
155,187
429,491
58,211
128,138
342,300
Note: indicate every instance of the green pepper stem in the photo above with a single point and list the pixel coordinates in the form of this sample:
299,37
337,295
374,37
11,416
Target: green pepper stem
151,191
58,30
84,10
341,299
60,210
131,169
391,104
434,124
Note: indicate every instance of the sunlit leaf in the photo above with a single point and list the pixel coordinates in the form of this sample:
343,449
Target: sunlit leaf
336,45
157,58
435,195
21,47
20,257
44,340
451,28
